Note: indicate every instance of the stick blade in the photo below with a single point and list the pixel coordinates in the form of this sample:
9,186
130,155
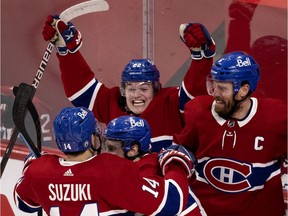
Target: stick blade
84,8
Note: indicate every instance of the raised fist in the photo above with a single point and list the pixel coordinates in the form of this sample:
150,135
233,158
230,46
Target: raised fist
242,10
177,153
65,36
197,38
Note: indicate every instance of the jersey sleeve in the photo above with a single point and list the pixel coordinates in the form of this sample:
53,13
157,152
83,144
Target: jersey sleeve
83,89
149,194
194,207
24,197
194,83
75,73
239,33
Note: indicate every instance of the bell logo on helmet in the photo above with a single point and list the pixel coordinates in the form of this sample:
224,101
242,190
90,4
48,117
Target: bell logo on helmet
82,114
139,123
241,63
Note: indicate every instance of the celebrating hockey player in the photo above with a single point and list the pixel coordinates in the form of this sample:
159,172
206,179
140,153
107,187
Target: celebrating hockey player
140,92
239,140
129,137
85,183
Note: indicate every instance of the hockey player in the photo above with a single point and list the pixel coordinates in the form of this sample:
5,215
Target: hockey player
140,91
129,137
84,183
239,142
240,31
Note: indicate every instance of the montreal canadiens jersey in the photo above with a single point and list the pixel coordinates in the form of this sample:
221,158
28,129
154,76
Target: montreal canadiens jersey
238,170
163,113
149,166
103,185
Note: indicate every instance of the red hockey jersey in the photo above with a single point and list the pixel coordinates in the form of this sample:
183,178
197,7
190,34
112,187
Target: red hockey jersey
163,113
103,184
238,170
149,166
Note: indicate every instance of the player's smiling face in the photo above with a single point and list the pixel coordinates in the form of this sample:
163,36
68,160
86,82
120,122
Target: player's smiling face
138,96
223,97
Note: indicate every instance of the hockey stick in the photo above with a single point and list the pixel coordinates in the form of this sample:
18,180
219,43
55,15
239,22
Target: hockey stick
22,103
67,15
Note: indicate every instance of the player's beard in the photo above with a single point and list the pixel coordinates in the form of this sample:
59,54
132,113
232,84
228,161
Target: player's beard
229,107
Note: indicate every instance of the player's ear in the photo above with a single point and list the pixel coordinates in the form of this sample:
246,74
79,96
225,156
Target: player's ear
244,90
95,141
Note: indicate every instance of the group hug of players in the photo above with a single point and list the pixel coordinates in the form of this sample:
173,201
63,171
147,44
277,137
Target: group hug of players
164,151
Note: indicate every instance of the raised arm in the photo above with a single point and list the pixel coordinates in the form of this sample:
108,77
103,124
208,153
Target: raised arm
202,48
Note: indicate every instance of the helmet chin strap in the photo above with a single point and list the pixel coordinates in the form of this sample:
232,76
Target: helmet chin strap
97,150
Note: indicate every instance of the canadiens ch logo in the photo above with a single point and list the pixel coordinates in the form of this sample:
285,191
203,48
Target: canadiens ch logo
227,175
